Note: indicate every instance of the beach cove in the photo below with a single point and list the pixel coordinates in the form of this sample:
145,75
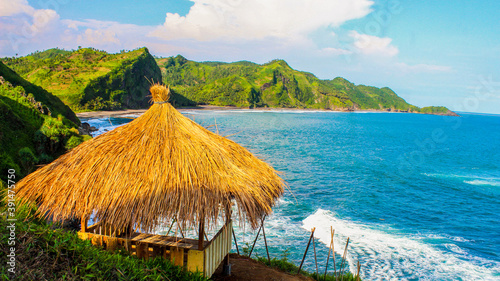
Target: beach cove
414,206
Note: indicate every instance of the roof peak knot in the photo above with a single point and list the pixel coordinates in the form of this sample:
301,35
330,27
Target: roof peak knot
160,93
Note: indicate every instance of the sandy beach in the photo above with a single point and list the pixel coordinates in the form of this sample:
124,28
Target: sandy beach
116,113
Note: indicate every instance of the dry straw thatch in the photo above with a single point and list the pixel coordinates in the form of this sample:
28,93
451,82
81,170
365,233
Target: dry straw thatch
160,166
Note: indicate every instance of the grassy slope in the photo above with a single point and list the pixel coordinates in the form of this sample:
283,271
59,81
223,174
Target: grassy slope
89,79
44,253
40,94
29,134
274,84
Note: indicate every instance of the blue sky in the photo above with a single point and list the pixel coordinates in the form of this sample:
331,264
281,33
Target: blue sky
429,52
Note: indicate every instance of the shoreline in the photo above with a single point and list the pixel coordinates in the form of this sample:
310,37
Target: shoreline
121,113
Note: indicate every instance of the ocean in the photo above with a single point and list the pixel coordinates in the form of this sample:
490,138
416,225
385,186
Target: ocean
417,195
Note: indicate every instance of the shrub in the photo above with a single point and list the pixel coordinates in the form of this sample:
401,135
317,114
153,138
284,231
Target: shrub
27,159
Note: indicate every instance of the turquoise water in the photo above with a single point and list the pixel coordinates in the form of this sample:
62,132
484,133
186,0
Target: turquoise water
418,195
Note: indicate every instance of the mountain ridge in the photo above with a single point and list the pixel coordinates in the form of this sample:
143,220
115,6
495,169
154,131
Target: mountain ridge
88,79
276,85
91,79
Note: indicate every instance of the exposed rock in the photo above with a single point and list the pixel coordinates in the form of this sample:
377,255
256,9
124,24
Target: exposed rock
86,129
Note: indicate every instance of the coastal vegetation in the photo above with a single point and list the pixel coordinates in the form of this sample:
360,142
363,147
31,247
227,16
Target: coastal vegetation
45,251
275,84
88,79
287,266
35,126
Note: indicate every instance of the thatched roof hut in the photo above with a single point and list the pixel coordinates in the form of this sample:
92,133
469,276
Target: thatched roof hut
159,167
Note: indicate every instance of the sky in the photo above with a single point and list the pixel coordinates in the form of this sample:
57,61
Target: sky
429,52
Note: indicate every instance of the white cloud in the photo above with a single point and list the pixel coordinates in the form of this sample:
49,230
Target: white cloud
373,45
334,51
97,37
422,68
231,20
13,7
44,20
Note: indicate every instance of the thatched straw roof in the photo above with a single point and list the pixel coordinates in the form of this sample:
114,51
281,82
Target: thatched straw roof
158,167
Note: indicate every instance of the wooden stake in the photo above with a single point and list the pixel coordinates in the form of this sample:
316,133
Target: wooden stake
180,230
255,241
333,251
359,269
315,259
236,242
170,228
343,259
265,242
307,248
332,232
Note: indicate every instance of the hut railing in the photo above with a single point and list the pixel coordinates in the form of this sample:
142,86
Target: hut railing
217,249
181,251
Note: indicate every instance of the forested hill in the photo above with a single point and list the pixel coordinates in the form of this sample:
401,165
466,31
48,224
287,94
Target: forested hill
90,79
35,126
275,84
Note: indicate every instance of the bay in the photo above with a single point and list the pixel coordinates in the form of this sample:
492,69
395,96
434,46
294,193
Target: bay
418,195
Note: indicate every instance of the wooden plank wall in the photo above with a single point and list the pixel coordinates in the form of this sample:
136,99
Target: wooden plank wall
217,250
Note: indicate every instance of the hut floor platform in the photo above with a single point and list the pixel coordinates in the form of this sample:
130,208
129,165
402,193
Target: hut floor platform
181,251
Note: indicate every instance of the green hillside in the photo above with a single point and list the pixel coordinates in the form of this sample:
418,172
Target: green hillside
90,79
274,84
35,126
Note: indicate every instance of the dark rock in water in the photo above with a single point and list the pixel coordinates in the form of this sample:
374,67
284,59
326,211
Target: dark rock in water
85,129
85,126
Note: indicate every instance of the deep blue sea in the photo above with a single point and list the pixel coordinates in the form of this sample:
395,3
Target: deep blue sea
418,195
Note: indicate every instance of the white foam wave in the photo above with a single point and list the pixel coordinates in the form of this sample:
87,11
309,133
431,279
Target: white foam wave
447,237
483,182
388,255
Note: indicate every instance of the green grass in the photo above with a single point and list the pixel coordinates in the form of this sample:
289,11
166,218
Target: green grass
44,252
285,265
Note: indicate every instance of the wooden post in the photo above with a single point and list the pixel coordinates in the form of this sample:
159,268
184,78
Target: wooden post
332,232
315,258
201,234
235,242
84,226
265,241
228,214
226,265
307,248
343,259
170,228
359,269
258,233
